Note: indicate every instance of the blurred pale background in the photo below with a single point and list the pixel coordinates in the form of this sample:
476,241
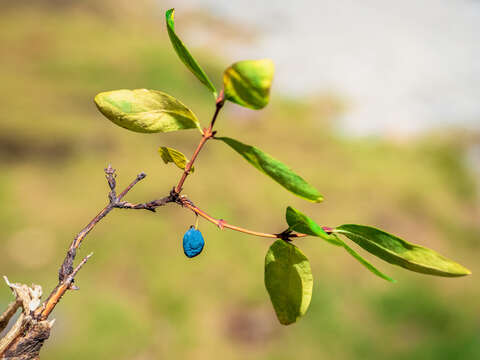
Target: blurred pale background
376,103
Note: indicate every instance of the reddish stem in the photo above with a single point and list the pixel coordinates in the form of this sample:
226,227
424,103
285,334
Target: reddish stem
222,224
208,133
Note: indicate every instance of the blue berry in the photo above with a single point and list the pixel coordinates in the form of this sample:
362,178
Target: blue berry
193,242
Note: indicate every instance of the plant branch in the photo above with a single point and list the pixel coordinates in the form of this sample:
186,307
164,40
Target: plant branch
151,205
218,106
67,272
8,313
114,200
60,290
222,224
208,133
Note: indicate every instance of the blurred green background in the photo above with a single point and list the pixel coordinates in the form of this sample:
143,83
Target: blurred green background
140,297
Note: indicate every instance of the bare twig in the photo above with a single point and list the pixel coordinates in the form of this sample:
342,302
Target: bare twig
67,271
151,205
114,200
60,290
8,313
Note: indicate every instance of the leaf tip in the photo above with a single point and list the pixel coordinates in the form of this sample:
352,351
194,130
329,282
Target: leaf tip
170,13
97,97
268,64
315,198
169,16
286,322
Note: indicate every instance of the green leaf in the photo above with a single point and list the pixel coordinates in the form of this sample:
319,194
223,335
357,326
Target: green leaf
248,82
145,111
289,281
400,252
171,155
277,170
303,224
185,55
366,263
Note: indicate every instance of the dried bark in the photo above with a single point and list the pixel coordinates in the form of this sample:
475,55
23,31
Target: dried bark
27,335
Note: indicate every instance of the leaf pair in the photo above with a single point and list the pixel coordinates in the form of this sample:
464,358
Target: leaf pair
288,276
246,83
386,246
148,111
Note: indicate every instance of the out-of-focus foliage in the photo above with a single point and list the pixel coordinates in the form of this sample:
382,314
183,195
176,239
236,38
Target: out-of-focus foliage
54,145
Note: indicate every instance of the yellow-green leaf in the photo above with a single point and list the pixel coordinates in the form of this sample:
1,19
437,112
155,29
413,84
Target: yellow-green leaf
400,252
145,111
185,55
248,82
171,155
289,281
275,169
